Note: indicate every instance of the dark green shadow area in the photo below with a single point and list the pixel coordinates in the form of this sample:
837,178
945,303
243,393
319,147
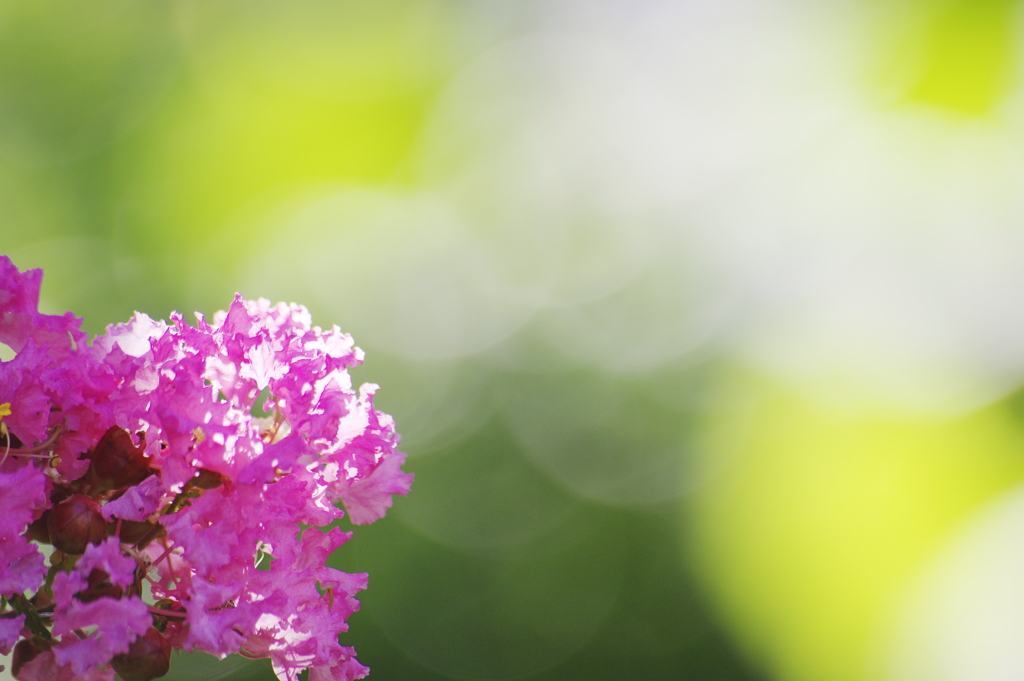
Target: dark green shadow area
204,667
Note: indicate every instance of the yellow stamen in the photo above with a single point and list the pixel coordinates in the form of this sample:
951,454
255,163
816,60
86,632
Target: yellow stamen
5,410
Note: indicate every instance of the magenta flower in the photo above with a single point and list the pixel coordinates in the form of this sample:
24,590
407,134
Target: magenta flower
178,518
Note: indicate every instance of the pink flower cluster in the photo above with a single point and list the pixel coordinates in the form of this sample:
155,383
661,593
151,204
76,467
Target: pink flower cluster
180,517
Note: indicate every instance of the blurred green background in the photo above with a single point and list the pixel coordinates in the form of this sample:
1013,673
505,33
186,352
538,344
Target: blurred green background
701,321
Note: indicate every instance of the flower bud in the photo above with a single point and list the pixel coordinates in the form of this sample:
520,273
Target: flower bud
75,523
41,599
108,590
147,658
116,461
36,530
207,479
99,586
25,651
132,531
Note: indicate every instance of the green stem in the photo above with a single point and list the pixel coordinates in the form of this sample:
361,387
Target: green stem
32,619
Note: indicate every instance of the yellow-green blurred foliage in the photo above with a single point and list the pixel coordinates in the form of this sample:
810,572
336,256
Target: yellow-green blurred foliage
821,516
959,55
276,100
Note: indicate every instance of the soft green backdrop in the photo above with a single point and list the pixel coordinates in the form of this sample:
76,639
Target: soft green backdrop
697,318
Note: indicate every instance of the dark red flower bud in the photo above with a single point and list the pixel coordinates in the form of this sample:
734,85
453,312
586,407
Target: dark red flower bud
99,586
147,658
60,492
97,578
132,531
75,523
25,651
116,461
40,600
91,595
207,479
37,531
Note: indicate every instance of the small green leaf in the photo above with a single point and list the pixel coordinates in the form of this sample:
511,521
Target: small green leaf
32,619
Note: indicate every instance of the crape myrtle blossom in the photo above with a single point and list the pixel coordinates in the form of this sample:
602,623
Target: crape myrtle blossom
178,517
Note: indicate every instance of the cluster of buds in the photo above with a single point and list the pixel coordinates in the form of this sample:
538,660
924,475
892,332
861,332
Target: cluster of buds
188,480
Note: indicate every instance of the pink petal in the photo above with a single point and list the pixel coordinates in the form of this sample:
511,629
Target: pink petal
21,565
368,499
107,556
10,632
138,503
118,623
